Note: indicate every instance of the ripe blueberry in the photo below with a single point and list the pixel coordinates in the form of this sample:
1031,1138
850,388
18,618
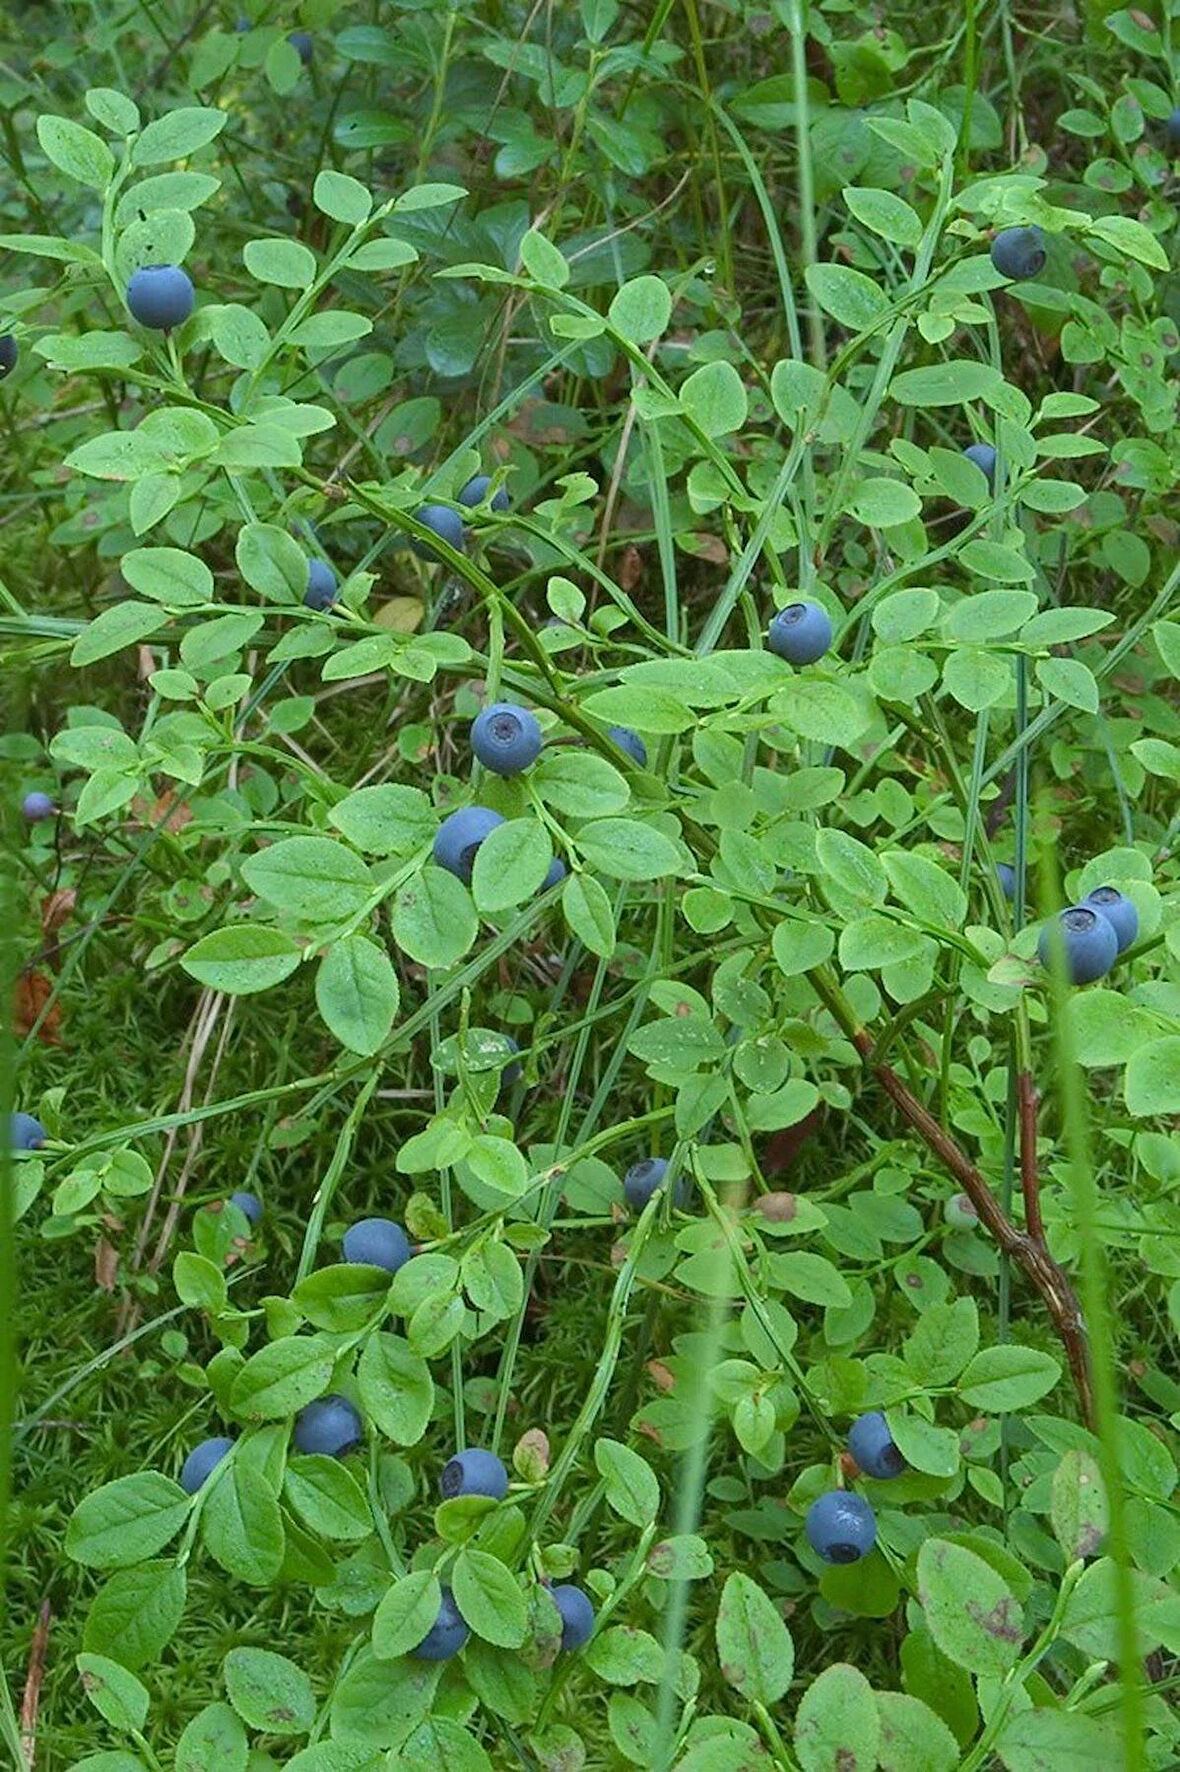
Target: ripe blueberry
446,524
37,806
984,457
476,491
871,1444
377,1242
302,44
512,1073
329,1425
249,1204
557,871
459,836
1006,875
841,1527
322,588
8,353
160,296
960,1214
1089,939
1119,912
630,742
1019,253
25,1133
800,633
577,1615
473,1472
201,1461
1172,130
505,738
643,1178
446,1635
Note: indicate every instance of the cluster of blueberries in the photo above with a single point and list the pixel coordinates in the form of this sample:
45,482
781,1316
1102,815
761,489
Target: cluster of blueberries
1091,935
841,1526
331,1426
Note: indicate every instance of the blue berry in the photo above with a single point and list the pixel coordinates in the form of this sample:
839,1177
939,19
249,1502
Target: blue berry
160,296
459,837
201,1461
1006,875
446,1635
643,1178
476,491
8,353
630,742
377,1242
301,43
1019,253
800,633
841,1527
871,1444
984,457
1172,130
330,1425
25,1133
557,871
505,738
512,1073
446,524
1089,939
577,1615
249,1204
37,806
473,1472
322,587
1119,912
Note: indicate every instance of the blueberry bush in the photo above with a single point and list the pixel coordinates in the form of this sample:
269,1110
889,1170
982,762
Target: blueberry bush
590,631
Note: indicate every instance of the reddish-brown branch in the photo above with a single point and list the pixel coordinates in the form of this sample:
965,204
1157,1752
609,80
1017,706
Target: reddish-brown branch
1026,1249
1030,1185
32,1698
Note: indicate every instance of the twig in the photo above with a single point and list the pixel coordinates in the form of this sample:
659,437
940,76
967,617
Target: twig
1029,1182
32,1697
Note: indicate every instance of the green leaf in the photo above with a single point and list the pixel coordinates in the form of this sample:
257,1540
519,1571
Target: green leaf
954,383
641,310
433,919
587,909
544,262
199,1283
242,958
715,398
989,615
441,1744
126,1521
135,1614
285,262
624,849
1001,1379
283,1377
510,865
1151,1084
942,1342
1091,1620
977,679
271,562
1051,1739
114,1692
178,134
971,1612
241,1524
76,151
386,820
380,1702
884,214
172,577
754,1647
489,1598
269,1692
124,625
579,783
1078,1509
406,1614
396,1388
213,1738
927,891
836,1726
851,868
631,1487
1131,238
649,708
810,1277
1069,681
345,199
851,298
884,504
913,1737
357,993
311,878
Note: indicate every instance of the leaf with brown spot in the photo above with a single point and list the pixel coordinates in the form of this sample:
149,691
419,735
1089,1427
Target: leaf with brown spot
972,1613
836,1727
